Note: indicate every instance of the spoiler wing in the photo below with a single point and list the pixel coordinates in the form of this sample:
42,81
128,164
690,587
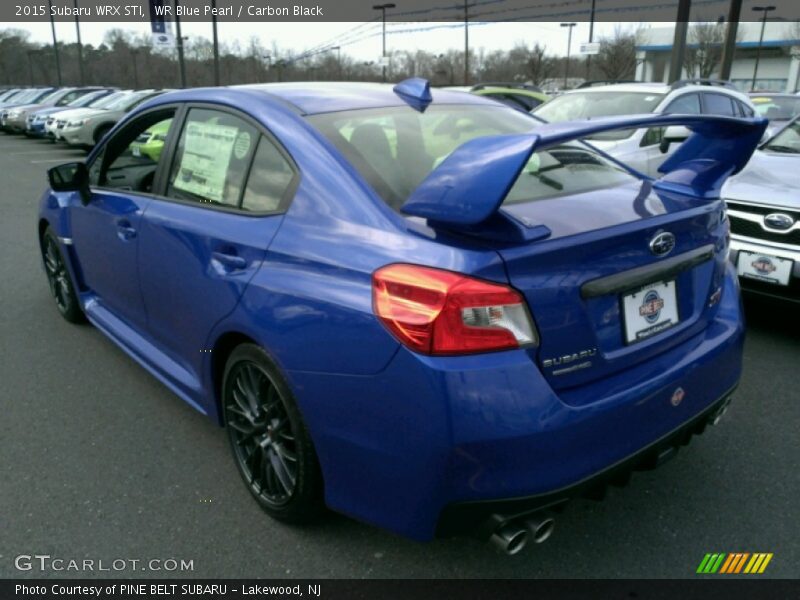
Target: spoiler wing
469,186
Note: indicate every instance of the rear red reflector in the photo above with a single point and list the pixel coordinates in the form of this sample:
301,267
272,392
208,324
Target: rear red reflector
440,312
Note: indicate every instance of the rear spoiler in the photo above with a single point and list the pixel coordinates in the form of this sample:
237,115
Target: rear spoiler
466,190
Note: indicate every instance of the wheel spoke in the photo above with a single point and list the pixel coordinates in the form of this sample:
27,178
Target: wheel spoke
285,477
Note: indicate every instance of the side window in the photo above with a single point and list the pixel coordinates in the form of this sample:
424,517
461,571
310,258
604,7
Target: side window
130,158
689,104
270,177
745,110
717,104
212,158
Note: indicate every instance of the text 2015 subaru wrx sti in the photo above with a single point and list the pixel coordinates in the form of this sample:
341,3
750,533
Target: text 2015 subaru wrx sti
422,311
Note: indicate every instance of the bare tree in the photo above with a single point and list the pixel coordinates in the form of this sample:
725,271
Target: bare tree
703,53
617,56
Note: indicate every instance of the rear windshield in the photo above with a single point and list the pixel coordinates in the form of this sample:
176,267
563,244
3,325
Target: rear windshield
787,141
587,105
394,149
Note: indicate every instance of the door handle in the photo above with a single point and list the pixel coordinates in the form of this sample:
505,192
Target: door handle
232,261
124,230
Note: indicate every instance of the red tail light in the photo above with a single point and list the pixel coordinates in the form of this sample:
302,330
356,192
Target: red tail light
440,312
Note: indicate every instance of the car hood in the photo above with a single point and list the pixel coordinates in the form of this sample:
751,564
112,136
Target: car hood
767,179
80,113
49,111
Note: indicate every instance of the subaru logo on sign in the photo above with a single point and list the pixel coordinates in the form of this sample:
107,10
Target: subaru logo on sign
662,244
779,221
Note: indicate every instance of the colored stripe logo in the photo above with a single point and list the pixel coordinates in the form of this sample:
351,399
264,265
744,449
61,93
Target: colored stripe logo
734,563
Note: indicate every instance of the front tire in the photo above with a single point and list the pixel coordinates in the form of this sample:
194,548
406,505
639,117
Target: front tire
270,443
59,280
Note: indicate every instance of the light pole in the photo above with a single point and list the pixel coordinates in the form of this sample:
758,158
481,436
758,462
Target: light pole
215,37
765,10
30,64
569,27
382,8
55,41
591,39
181,62
338,60
466,42
80,46
134,54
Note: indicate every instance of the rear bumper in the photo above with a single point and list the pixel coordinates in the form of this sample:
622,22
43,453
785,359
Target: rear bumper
409,448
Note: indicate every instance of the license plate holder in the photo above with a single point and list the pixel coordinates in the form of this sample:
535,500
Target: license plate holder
764,267
649,310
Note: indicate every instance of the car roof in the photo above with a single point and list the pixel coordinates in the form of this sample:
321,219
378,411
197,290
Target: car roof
644,87
321,97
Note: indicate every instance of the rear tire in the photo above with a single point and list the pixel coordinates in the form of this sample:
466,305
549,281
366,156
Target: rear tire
270,442
59,280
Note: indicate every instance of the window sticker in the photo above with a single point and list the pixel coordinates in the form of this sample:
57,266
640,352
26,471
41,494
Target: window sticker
206,156
242,145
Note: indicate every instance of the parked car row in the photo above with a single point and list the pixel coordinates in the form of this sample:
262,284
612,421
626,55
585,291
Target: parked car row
77,116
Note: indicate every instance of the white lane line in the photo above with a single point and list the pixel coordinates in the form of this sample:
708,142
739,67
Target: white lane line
50,160
45,152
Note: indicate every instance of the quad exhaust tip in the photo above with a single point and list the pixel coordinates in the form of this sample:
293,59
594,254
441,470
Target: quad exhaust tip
511,538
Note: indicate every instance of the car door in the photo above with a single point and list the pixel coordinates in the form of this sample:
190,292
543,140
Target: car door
106,228
685,104
206,235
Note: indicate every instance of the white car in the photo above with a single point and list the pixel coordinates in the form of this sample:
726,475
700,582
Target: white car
51,126
645,149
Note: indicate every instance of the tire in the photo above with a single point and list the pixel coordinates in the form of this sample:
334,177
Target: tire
269,440
59,280
100,132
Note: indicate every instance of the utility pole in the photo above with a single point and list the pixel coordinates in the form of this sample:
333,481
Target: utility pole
30,64
765,10
215,38
80,46
679,41
55,41
569,27
729,48
382,8
466,42
591,39
179,40
338,60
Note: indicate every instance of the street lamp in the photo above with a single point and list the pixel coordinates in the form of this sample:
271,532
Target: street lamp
765,10
382,8
55,41
569,27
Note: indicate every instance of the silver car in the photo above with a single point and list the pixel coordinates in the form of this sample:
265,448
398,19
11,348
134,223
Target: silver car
764,210
88,126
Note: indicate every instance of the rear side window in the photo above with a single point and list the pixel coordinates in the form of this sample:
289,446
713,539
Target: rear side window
212,158
717,104
685,105
269,179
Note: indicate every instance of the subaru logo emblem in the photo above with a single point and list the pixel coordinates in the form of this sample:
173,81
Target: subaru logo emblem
779,221
662,244
677,396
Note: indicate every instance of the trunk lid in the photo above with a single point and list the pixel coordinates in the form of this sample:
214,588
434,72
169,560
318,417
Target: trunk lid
598,252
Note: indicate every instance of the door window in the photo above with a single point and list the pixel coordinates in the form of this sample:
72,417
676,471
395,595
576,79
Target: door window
717,104
129,159
270,178
212,158
688,104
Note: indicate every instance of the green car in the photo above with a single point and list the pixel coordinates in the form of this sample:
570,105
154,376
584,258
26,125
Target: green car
151,142
517,95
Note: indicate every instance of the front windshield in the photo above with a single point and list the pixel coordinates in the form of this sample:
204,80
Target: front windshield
587,105
86,100
787,141
777,108
395,149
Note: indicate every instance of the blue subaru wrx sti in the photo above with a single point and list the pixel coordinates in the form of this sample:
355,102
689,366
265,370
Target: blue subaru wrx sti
423,310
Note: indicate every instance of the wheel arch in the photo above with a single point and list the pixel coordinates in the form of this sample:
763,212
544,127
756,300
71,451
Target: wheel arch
221,350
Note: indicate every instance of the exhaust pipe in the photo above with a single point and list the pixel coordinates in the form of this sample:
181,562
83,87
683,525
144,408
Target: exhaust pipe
510,538
541,527
716,417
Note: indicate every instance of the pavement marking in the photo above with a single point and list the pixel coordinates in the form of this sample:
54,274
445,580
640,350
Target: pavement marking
50,160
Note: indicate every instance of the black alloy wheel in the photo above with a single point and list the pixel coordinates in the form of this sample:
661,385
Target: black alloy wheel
270,443
59,280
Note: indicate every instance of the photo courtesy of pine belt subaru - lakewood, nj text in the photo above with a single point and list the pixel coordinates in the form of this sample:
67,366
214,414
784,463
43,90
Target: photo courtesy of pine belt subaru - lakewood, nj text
423,310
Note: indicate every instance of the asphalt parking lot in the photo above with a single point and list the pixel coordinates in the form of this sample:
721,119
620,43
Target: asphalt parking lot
99,460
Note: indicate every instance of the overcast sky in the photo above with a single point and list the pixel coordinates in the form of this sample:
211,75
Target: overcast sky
297,37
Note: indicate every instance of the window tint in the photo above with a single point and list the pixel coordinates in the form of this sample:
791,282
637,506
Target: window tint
270,176
717,104
130,158
212,158
685,105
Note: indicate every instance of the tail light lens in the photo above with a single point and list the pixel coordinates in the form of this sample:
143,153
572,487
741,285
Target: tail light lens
440,312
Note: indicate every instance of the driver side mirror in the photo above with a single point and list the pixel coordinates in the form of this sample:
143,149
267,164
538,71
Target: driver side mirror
673,134
71,177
